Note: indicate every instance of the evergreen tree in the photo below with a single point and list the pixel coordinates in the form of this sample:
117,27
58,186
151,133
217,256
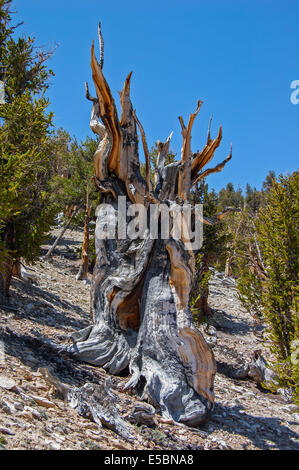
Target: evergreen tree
73,190
212,252
269,180
274,237
229,197
253,198
25,151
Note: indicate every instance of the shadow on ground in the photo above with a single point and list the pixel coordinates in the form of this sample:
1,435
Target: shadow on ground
264,432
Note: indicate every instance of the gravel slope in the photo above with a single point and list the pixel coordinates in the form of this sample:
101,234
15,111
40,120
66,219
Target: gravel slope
32,416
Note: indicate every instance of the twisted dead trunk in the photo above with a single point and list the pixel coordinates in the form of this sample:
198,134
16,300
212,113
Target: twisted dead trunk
142,280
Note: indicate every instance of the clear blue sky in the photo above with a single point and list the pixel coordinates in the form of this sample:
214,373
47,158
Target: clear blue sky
239,57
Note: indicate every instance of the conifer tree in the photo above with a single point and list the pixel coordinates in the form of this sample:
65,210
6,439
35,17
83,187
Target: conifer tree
212,251
25,151
271,275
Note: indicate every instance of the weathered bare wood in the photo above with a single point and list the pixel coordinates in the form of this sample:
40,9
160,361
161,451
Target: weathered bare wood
200,159
96,402
141,286
184,179
146,153
59,237
101,44
216,169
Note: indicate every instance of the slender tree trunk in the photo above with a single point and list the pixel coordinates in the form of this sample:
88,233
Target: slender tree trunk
16,269
64,229
228,266
232,251
6,268
83,271
202,303
7,262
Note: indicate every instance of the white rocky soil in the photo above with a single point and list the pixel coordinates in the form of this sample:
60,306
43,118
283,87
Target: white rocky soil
34,416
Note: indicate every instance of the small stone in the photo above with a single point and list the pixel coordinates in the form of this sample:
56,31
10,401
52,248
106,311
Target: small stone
43,401
6,383
7,407
4,430
19,406
291,408
53,445
35,413
28,377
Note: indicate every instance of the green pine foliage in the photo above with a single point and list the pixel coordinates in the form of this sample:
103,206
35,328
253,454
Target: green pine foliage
268,279
25,166
229,197
73,177
212,252
277,233
25,148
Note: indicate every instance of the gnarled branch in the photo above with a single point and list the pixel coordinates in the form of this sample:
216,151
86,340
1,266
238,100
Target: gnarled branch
184,177
146,153
200,159
216,169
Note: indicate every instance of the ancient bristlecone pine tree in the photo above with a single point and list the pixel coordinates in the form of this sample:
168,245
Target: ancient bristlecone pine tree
140,289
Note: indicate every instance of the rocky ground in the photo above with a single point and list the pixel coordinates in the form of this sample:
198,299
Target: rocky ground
33,415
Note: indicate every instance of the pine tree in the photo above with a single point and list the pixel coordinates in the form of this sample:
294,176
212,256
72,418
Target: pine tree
277,233
212,252
268,283
73,190
25,151
229,197
253,198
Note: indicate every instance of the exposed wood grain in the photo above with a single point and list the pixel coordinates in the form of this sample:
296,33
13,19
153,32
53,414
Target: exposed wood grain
141,288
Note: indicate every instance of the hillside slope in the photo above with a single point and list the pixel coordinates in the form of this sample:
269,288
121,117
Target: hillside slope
33,416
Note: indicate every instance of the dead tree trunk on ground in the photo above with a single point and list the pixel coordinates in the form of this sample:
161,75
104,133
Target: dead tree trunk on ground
64,229
141,285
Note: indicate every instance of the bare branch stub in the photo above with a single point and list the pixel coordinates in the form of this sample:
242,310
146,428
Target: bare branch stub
101,44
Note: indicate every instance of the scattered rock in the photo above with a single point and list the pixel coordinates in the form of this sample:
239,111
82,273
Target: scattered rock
143,413
19,406
7,383
291,408
244,417
53,445
34,412
29,307
7,407
7,431
43,401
